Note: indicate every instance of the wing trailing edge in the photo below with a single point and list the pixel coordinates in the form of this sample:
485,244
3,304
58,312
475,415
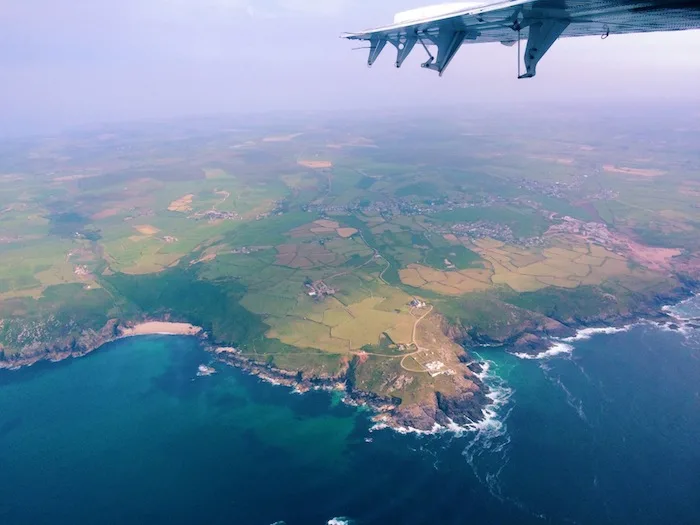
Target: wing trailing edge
540,22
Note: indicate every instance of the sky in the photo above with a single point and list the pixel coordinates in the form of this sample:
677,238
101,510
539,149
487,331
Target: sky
74,62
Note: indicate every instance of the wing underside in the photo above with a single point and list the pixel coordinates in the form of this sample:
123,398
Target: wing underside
539,22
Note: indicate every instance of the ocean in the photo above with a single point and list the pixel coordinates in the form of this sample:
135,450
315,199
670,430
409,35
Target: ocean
605,429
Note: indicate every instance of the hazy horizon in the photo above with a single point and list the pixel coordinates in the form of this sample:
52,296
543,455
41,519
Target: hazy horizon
109,61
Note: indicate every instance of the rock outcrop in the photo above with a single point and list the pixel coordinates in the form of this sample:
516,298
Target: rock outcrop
63,348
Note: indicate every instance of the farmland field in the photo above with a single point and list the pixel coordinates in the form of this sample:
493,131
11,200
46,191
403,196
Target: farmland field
315,248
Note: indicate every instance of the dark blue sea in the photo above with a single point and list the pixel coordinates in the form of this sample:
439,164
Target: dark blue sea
607,431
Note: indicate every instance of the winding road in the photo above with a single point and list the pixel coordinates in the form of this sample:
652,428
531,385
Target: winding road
413,340
418,350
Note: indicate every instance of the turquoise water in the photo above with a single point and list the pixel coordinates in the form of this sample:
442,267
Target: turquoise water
607,434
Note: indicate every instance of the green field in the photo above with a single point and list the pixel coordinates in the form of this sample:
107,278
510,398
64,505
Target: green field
231,231
524,222
459,256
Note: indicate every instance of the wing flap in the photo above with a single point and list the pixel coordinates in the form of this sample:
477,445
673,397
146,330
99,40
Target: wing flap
541,22
465,17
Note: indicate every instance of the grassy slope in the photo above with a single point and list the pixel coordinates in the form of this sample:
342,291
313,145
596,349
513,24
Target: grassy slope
231,296
63,311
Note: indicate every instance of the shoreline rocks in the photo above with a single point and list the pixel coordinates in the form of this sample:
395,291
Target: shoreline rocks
90,340
463,403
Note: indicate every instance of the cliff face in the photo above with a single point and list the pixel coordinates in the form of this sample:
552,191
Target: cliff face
462,407
495,322
434,384
646,305
688,268
501,323
459,395
73,345
461,401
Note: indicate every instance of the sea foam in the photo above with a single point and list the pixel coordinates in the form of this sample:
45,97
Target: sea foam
499,395
562,347
586,333
339,521
490,437
437,429
686,310
557,348
492,424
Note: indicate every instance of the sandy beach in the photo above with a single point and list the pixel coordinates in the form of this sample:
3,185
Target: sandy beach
159,327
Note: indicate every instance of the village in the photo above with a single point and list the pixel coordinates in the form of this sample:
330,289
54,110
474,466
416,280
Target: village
216,215
318,290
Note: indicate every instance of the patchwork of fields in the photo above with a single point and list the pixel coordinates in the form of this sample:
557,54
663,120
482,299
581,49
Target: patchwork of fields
308,246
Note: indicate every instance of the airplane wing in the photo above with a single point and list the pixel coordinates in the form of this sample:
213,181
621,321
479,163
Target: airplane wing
540,22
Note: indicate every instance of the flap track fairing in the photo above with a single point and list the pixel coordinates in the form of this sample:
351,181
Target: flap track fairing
448,43
542,34
404,47
376,46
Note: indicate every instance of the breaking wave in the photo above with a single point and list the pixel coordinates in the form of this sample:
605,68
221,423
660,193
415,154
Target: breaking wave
562,346
586,333
490,440
686,319
437,429
340,521
687,310
687,329
499,395
557,348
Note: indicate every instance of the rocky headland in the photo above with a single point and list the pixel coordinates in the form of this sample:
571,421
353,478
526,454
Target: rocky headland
87,341
453,396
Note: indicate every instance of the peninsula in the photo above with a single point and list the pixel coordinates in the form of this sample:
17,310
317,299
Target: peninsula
337,257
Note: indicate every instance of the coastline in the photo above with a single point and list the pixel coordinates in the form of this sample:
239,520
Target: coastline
90,341
477,414
665,318
299,384
161,328
473,412
544,344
